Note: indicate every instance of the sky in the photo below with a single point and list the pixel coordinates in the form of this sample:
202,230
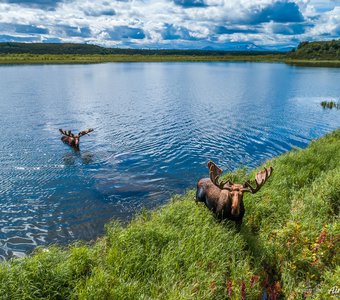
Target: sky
175,24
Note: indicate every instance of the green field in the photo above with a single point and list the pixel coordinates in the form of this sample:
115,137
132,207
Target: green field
287,246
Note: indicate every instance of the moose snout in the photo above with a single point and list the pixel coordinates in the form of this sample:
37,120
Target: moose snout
236,198
235,210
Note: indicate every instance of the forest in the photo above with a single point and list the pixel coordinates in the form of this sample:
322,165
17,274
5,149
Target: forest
320,50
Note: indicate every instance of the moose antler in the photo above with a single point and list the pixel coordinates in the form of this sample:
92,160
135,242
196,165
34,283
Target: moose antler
86,131
214,174
67,133
260,179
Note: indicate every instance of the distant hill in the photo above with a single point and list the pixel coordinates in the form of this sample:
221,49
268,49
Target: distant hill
61,48
327,50
240,46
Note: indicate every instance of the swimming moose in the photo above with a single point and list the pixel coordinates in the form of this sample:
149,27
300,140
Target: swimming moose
71,139
225,198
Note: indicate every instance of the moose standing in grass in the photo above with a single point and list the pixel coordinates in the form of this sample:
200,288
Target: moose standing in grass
225,198
71,139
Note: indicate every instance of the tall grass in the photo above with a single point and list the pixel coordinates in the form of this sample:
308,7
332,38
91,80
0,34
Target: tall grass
286,248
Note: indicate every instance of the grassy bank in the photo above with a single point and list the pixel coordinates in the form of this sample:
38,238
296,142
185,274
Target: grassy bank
75,58
287,245
99,58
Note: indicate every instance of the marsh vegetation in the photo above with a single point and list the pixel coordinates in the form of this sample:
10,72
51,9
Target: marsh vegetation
330,104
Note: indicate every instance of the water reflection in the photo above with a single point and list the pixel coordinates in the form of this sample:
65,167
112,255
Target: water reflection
70,158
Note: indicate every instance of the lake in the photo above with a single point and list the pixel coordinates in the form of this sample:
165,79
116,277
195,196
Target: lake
156,125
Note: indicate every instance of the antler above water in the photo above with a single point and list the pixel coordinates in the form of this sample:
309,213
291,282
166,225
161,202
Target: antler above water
67,133
86,131
70,134
260,179
214,174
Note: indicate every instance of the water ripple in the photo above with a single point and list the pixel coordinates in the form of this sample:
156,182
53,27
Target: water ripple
156,126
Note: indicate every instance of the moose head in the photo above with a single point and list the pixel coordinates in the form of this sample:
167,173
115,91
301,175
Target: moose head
71,139
225,198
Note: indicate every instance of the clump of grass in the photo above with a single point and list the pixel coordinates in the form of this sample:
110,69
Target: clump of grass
330,104
286,248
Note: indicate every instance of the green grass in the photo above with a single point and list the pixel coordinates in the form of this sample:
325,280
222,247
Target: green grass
98,58
287,243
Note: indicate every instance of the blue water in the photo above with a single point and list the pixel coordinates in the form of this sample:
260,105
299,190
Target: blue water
156,126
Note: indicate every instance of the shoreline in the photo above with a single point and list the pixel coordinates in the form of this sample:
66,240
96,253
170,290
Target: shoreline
30,59
287,244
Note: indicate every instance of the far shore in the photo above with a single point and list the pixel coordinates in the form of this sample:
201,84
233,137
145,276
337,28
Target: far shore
11,59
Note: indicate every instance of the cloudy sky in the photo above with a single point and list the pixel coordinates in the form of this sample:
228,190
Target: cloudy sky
184,24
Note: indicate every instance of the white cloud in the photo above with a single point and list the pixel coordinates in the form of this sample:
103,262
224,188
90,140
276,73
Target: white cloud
327,24
142,23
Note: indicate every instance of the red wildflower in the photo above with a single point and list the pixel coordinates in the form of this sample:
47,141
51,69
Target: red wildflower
254,279
243,290
230,288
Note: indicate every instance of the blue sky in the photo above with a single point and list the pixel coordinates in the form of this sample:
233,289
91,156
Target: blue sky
184,24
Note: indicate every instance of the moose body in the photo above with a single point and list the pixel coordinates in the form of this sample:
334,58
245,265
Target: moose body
224,203
225,198
72,139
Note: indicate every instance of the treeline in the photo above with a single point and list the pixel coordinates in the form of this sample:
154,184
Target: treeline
87,49
327,50
50,48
